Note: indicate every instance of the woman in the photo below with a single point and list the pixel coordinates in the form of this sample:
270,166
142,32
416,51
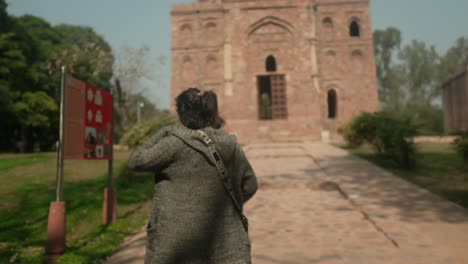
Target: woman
194,219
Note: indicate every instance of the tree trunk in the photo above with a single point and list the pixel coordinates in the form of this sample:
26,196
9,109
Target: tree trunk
24,140
122,104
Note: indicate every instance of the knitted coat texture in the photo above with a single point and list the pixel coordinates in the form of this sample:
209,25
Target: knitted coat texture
193,218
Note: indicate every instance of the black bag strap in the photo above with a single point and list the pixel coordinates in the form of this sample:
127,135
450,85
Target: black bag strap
224,177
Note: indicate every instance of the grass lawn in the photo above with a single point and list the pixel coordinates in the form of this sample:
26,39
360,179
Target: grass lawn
28,187
10,162
438,169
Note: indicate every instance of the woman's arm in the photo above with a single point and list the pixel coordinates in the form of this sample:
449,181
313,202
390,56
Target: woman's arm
153,154
249,183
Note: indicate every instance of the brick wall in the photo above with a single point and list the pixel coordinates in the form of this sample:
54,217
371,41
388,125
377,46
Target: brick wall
223,45
455,100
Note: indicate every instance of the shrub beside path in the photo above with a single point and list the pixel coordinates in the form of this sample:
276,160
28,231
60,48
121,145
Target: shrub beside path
319,204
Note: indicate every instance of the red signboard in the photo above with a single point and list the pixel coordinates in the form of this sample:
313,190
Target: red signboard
98,123
88,121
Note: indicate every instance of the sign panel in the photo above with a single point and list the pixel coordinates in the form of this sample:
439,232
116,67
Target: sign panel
98,123
74,118
88,127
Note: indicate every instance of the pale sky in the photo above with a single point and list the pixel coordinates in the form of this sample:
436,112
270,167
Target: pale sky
147,22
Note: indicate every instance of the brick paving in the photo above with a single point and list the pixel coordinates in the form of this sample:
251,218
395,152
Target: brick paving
318,204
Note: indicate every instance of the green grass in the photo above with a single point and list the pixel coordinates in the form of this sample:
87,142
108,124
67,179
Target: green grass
27,192
9,162
438,169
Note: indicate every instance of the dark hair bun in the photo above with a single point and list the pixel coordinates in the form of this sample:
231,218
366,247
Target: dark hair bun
198,109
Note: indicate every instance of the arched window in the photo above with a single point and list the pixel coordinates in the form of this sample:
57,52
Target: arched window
188,69
270,64
332,104
210,25
211,58
327,22
331,57
356,54
354,30
210,66
186,28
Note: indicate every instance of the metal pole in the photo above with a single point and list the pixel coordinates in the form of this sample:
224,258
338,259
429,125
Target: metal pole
59,194
110,168
110,171
109,210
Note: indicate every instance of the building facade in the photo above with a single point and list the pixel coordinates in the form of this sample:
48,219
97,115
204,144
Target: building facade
283,70
455,100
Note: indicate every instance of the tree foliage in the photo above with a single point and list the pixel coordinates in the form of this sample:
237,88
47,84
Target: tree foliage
391,135
34,109
461,146
386,42
86,54
410,77
139,133
31,54
455,57
134,70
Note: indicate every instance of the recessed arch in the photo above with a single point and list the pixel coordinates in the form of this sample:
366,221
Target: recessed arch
356,54
327,22
211,58
270,20
188,68
186,27
186,59
270,63
330,56
332,103
211,65
331,53
354,28
210,25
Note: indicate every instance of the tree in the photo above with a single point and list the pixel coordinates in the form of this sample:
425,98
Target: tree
135,68
420,63
386,43
15,50
4,20
411,82
454,59
86,55
31,55
33,111
133,72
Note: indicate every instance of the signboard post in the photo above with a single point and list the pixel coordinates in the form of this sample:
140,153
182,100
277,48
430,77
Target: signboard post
109,208
86,132
56,225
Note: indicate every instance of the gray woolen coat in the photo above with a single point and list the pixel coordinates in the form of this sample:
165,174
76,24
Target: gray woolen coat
193,219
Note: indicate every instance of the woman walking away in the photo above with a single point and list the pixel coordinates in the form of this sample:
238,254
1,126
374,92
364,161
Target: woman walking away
202,180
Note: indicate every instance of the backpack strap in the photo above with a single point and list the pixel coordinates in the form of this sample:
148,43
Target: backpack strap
224,177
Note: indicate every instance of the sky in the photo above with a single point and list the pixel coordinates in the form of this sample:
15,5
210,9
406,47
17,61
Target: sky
147,22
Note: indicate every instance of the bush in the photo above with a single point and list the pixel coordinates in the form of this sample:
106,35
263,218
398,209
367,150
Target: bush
143,131
359,130
461,146
389,133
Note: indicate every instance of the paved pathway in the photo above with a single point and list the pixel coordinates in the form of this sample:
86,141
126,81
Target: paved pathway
318,204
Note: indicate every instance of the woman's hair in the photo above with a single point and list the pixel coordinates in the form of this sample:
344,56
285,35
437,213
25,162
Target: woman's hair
198,109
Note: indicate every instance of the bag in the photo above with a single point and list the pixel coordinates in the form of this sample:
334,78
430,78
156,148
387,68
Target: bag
224,178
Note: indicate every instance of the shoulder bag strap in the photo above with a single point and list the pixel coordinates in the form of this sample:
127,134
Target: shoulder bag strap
224,177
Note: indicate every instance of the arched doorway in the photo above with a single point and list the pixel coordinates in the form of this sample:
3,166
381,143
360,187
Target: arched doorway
332,104
272,102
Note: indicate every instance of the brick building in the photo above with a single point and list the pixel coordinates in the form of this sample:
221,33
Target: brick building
283,70
455,99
